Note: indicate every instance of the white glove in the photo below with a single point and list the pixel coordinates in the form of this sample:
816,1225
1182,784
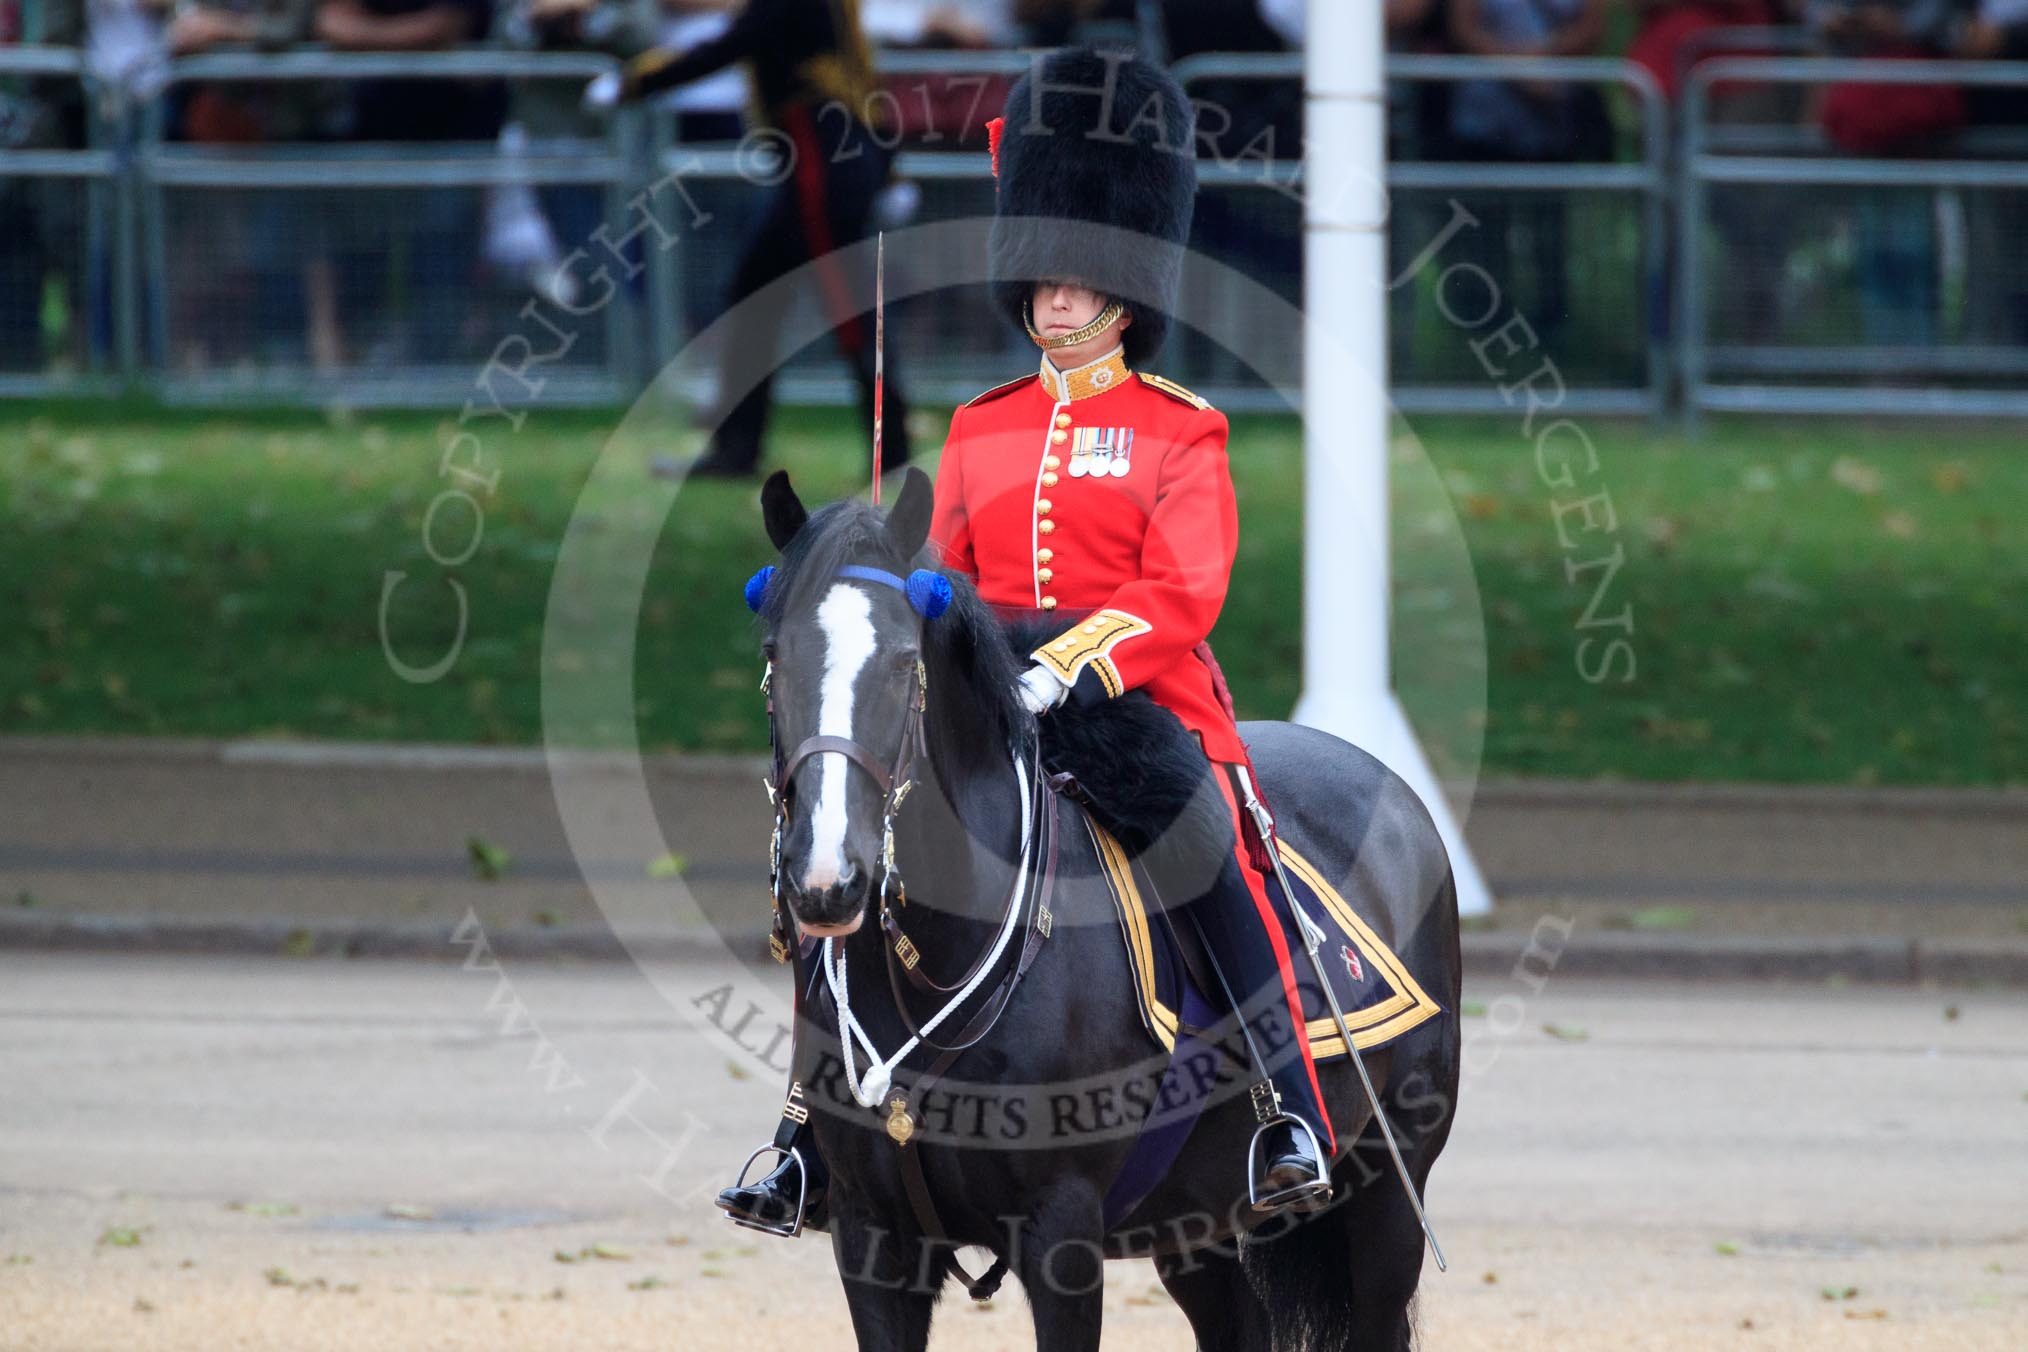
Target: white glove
602,94
1041,689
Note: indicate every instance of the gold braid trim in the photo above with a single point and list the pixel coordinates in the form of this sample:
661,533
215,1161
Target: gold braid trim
1089,643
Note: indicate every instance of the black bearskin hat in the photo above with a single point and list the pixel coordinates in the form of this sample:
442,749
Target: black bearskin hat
1111,144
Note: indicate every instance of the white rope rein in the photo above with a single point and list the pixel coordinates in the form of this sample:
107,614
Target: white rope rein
879,1076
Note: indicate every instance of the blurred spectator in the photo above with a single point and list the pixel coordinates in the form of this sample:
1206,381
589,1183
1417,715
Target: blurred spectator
1053,23
1895,228
1520,238
287,283
1418,128
809,63
530,227
415,110
1673,36
269,25
40,220
712,108
1258,123
939,23
1996,304
412,255
1670,32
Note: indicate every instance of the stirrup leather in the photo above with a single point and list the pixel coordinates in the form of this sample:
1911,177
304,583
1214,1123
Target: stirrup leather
788,1229
1306,1196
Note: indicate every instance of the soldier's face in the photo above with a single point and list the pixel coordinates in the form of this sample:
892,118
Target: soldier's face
1061,307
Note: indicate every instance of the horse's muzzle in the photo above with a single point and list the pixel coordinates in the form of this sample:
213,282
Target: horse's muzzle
834,909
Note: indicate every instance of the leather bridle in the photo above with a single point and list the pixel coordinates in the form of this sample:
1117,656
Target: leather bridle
894,780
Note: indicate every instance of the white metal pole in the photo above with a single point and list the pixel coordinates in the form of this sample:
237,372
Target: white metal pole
1347,681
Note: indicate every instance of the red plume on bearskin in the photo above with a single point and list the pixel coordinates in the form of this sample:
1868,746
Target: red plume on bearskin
993,130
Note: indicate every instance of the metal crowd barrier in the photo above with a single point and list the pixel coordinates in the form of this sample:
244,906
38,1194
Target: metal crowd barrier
1644,182
954,366
355,200
97,283
1891,323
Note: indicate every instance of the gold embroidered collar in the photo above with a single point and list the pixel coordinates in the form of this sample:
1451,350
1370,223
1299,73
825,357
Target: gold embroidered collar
1082,382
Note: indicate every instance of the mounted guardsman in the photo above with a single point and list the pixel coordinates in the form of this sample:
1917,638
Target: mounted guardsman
1096,494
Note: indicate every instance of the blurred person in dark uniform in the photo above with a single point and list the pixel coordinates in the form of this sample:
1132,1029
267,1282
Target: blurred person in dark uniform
812,77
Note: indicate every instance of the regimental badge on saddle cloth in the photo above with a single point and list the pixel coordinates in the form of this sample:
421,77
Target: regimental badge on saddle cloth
1099,452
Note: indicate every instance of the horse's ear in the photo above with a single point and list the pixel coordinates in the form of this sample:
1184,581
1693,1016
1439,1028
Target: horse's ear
781,509
908,523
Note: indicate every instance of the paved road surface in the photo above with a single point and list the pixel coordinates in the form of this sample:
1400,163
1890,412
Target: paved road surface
299,833
340,1155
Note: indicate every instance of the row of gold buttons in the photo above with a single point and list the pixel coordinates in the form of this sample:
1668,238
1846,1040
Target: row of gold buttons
1044,575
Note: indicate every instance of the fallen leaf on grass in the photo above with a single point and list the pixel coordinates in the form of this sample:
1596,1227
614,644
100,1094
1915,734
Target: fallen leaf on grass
1949,477
1856,475
1900,525
1566,1034
489,861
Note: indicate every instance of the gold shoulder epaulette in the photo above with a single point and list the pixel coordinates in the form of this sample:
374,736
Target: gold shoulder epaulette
999,390
1173,390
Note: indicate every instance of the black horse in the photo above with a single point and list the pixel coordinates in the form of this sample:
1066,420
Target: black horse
856,665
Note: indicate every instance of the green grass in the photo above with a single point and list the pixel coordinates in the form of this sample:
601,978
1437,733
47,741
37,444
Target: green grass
1810,602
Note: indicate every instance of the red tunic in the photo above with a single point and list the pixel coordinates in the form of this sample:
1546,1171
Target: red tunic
1100,490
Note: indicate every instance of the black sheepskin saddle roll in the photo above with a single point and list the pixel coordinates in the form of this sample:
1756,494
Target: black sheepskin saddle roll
1141,776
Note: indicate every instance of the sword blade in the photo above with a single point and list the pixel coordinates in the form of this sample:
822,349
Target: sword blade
879,349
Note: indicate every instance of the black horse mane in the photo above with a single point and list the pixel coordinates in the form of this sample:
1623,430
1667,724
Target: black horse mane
965,646
1144,777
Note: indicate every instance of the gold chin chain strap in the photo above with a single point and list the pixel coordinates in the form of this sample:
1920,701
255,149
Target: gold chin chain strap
1105,320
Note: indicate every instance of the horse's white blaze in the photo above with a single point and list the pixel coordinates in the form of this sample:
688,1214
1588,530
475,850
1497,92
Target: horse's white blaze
846,618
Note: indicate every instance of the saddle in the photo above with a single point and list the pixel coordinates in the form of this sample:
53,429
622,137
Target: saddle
1160,829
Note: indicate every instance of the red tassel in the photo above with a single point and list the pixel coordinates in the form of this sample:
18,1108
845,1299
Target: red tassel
993,130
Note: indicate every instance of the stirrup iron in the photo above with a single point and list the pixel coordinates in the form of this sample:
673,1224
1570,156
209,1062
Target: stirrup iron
1310,1196
784,1229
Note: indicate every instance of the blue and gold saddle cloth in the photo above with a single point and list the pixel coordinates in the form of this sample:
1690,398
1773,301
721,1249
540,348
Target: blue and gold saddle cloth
1380,997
